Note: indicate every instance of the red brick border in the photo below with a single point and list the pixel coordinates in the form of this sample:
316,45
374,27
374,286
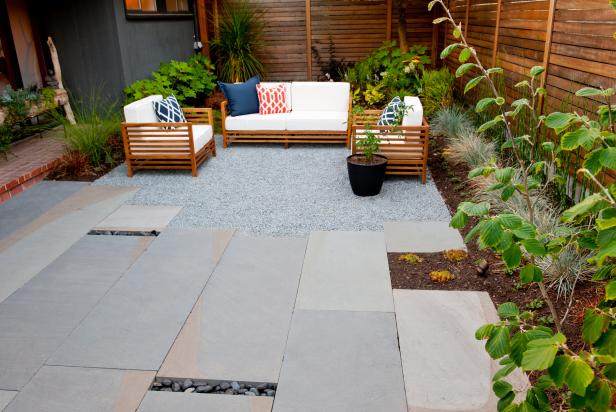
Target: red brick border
26,181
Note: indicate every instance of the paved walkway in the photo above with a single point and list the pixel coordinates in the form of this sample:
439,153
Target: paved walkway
92,320
29,162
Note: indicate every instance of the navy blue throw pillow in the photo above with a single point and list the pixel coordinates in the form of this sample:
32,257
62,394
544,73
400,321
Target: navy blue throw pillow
393,113
242,97
168,110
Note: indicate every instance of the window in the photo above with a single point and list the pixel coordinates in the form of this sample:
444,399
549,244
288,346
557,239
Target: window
158,8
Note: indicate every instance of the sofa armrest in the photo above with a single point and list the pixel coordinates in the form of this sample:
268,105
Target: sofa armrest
199,115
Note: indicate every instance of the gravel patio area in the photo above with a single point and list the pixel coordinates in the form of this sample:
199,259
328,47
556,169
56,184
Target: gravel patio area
267,189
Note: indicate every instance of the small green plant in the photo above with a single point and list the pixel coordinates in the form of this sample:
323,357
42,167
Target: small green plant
240,35
436,90
369,144
535,304
190,81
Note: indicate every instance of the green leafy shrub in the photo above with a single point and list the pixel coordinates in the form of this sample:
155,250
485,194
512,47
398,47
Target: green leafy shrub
436,90
239,36
390,71
584,379
190,81
369,144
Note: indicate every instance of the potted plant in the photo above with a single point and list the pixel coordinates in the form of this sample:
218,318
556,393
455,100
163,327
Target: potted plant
367,169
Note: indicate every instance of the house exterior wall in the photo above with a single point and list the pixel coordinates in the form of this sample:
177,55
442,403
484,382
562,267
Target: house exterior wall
24,41
145,43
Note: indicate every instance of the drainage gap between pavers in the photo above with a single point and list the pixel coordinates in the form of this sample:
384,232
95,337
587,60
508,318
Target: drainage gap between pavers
214,387
99,232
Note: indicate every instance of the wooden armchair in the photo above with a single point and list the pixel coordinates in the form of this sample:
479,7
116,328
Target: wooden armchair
156,145
406,147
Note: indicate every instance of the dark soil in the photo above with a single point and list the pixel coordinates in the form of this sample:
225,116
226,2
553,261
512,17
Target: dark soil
360,159
451,181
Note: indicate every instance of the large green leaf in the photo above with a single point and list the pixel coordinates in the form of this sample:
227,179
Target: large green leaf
530,273
505,174
490,124
512,256
581,208
474,209
610,290
603,253
472,83
558,370
484,103
484,331
459,220
559,120
536,71
449,49
534,247
526,231
539,354
498,344
491,233
508,310
580,137
510,221
579,375
501,388
599,396
595,324
464,68
589,92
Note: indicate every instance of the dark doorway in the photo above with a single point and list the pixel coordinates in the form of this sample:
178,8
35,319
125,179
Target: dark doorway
9,68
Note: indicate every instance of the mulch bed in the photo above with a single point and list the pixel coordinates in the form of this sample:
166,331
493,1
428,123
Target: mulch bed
502,287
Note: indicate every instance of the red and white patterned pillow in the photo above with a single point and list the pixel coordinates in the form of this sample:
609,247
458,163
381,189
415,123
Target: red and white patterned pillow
272,99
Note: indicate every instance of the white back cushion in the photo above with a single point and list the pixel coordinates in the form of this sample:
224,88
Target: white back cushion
142,111
414,111
287,87
320,96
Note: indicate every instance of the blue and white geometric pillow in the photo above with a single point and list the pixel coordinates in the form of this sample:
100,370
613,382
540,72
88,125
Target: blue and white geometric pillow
391,115
168,110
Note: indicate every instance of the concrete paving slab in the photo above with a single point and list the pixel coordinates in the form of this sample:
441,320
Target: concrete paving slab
29,205
345,271
445,367
5,398
61,389
139,217
28,250
36,319
238,329
190,402
135,324
421,237
341,361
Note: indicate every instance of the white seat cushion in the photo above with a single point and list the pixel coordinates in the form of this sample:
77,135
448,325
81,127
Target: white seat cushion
414,113
142,111
320,96
256,121
328,121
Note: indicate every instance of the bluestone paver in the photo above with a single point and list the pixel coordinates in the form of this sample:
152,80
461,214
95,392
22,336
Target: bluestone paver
445,367
5,398
39,316
345,271
421,237
341,361
197,402
139,217
61,389
238,329
135,324
27,206
29,249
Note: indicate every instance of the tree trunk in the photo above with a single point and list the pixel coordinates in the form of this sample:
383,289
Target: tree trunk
58,73
402,25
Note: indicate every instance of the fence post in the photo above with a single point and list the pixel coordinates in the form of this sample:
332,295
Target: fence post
308,40
202,23
388,22
468,11
435,29
499,6
547,49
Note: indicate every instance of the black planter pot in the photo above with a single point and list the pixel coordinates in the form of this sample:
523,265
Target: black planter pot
366,179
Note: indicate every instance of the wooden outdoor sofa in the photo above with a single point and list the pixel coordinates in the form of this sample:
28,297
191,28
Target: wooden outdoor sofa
320,113
406,146
149,144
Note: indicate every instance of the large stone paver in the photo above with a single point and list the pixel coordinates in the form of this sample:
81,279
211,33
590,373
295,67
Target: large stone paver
341,361
445,367
238,329
139,217
135,324
39,316
5,398
421,237
345,271
166,402
29,249
61,389
27,206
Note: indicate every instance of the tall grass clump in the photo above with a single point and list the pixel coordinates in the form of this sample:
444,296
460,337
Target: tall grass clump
240,30
98,124
436,90
470,148
450,121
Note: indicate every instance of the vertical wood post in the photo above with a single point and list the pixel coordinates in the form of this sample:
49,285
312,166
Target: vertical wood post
468,11
548,41
435,29
308,40
499,6
216,19
202,22
389,17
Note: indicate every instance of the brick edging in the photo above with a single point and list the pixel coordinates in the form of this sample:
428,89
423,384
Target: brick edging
23,182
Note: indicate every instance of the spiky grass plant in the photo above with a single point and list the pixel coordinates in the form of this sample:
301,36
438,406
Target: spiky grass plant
471,148
450,121
240,35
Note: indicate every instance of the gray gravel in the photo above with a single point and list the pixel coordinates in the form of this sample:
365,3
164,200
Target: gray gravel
270,190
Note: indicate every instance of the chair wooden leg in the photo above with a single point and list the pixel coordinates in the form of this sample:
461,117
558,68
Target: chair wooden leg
213,149
129,169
